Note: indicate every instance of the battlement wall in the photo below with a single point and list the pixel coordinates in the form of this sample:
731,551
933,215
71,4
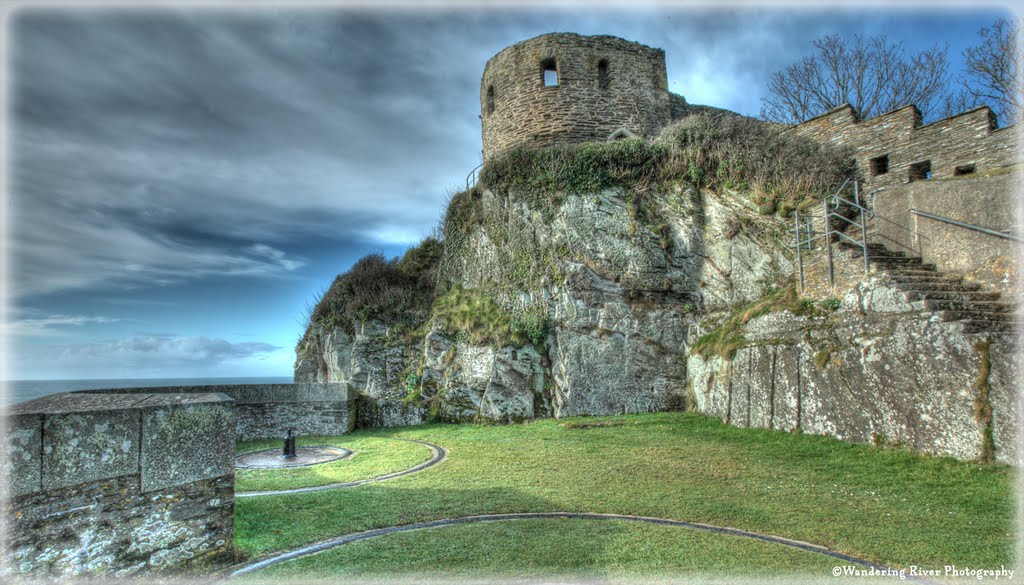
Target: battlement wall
895,148
604,84
105,483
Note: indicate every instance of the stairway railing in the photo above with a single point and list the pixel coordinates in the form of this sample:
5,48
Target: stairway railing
969,226
832,204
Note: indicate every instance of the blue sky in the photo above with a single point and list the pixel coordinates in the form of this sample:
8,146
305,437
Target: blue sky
182,182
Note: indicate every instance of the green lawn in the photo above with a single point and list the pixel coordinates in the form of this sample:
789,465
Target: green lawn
538,548
374,456
885,505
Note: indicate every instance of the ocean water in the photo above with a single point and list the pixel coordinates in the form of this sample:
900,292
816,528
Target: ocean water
22,390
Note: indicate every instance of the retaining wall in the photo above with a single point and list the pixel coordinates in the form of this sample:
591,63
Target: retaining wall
267,411
118,485
988,202
902,378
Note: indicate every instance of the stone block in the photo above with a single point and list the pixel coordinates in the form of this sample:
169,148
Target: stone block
89,445
186,438
22,452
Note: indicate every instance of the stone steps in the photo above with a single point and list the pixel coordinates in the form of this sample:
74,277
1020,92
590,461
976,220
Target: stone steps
939,287
958,296
990,326
978,314
945,295
930,277
969,306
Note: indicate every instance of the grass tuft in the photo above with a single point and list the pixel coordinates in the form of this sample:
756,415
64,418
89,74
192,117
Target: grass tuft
728,337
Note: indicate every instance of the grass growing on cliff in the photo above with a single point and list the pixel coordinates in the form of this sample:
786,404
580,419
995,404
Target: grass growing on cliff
374,456
728,337
575,169
780,170
472,316
887,505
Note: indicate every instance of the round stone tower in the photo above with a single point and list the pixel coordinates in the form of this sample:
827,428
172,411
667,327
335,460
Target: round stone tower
564,88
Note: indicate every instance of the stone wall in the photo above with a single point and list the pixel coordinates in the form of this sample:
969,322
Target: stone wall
267,411
901,378
587,105
989,202
102,484
962,144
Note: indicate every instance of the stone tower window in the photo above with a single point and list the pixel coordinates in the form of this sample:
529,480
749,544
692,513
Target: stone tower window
602,74
490,99
963,170
921,171
880,165
549,72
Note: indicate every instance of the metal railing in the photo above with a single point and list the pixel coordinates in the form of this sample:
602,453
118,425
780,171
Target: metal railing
471,177
831,209
969,226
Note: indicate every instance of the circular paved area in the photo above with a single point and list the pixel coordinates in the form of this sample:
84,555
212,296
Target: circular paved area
355,537
438,454
304,457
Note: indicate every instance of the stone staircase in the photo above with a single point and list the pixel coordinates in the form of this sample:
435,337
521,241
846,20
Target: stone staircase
946,295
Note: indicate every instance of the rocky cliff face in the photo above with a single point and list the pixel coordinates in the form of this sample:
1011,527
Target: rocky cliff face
612,300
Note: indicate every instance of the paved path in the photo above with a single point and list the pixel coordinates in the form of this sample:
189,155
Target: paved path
439,453
355,537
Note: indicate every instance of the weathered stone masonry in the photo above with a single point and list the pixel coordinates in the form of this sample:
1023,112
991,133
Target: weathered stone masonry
267,411
604,84
119,484
893,149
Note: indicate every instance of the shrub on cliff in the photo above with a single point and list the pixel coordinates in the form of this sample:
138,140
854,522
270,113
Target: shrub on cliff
781,170
396,292
575,169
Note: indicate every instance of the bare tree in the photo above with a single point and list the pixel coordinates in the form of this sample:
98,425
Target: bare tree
871,75
991,73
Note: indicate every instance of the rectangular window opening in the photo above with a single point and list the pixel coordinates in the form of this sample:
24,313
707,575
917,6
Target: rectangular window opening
880,165
921,171
963,170
549,72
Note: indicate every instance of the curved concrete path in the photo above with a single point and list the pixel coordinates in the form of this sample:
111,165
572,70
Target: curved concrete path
357,536
438,455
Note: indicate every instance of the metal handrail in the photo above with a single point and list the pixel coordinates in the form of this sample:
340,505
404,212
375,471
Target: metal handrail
471,177
969,226
831,205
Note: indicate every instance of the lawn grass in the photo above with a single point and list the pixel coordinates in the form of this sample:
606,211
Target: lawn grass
886,505
374,456
537,548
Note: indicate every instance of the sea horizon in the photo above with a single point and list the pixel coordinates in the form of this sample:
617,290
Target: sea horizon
16,391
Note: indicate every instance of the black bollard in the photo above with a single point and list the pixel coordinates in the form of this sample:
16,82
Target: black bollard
289,446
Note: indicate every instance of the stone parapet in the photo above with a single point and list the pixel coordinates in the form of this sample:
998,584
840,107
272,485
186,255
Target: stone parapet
119,484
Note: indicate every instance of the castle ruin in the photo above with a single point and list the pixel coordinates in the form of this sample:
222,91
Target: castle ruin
564,88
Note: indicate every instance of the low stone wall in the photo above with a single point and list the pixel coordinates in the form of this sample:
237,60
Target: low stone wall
267,411
101,484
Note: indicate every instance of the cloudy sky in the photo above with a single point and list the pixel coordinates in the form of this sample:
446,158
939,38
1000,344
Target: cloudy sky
182,181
